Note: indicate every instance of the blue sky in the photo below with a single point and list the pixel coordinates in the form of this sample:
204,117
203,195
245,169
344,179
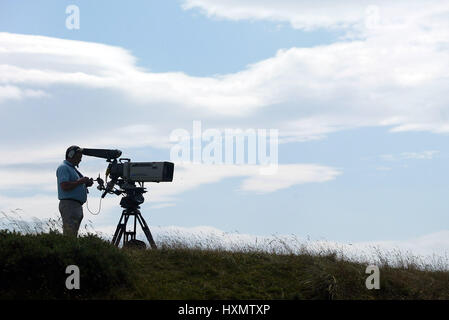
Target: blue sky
365,101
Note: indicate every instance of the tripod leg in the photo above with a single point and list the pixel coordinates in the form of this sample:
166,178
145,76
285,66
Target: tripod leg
146,230
118,232
121,228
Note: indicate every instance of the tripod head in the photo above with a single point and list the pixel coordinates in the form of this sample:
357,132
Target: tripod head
133,198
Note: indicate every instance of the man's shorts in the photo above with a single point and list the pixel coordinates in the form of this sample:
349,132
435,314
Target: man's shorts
72,214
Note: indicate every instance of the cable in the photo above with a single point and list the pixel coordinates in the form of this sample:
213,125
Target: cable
99,208
101,198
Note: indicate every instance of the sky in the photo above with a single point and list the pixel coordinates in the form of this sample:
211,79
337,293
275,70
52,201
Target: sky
355,89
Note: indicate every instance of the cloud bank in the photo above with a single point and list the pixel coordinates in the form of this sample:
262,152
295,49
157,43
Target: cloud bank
390,69
394,73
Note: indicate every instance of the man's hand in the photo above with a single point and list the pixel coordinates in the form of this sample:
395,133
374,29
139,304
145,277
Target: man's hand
90,183
87,181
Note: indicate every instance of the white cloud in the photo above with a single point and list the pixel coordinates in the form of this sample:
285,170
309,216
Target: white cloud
40,206
393,72
289,175
9,92
300,14
190,176
393,75
93,65
12,92
423,155
434,243
43,180
303,14
427,155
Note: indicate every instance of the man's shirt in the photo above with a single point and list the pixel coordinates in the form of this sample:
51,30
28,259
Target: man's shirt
66,172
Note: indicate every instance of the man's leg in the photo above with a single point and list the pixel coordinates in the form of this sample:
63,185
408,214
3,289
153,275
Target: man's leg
72,214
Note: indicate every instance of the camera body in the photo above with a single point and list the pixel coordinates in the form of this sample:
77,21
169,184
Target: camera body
142,171
133,171
148,171
125,173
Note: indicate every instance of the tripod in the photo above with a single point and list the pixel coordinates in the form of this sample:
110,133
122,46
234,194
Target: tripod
130,203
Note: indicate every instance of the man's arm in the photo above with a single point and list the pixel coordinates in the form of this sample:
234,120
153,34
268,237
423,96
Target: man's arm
70,185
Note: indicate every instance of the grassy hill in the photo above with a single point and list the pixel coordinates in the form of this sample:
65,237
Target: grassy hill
33,266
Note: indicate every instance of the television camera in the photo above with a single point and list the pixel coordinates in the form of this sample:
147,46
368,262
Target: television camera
124,175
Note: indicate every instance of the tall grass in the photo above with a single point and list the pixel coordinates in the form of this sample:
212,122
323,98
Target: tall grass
171,238
15,221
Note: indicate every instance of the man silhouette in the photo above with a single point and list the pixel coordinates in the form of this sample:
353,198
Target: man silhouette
72,191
